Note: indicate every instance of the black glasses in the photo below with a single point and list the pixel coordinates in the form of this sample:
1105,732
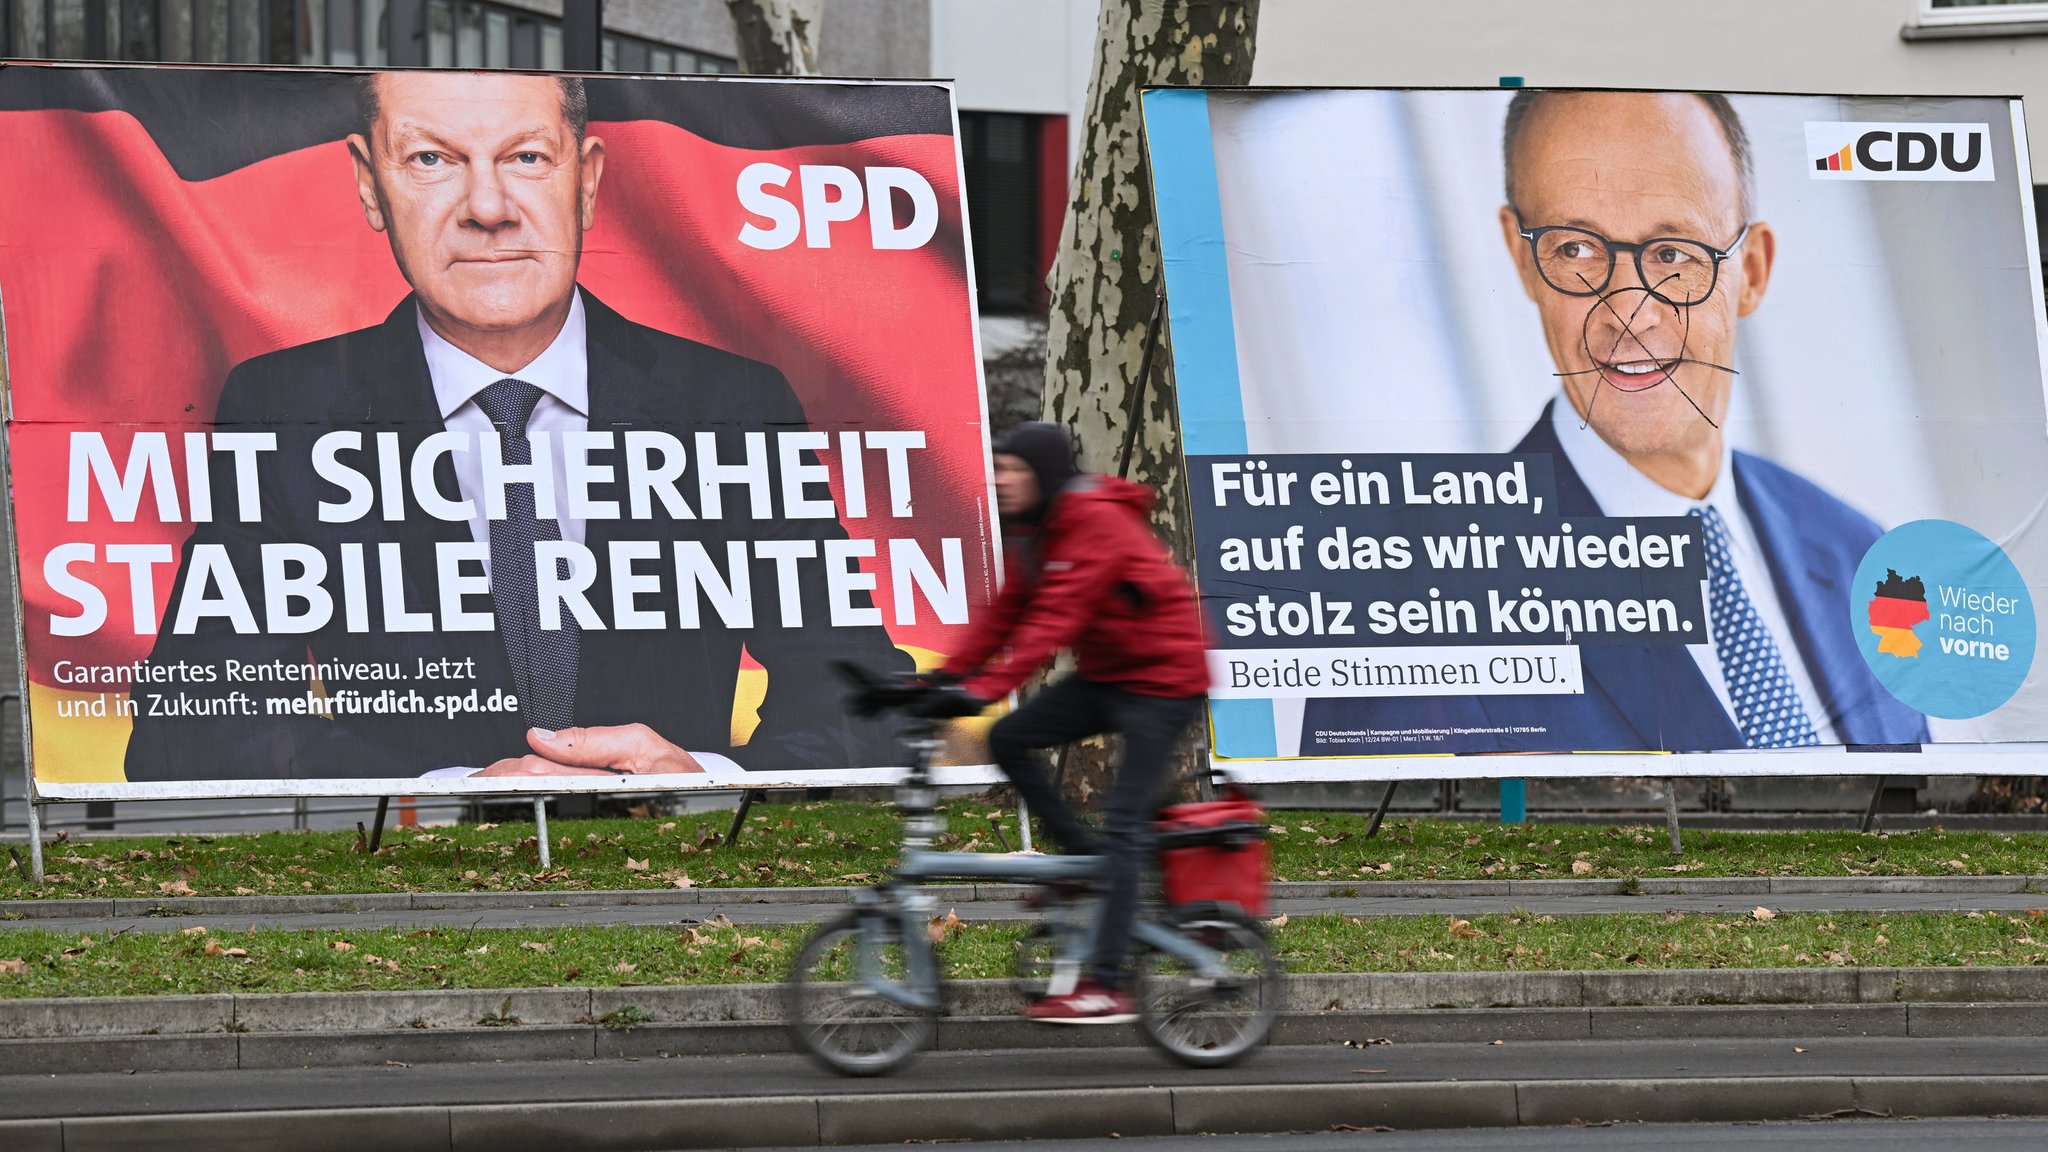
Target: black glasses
1675,270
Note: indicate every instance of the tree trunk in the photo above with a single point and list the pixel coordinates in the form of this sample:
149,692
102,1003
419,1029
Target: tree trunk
777,37
1107,274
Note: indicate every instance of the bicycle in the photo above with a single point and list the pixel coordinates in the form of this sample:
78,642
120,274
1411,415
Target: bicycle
865,991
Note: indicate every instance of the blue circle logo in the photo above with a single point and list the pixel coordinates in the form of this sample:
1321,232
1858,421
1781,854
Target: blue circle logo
1943,619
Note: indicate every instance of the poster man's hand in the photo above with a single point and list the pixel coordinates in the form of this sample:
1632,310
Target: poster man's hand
538,766
623,748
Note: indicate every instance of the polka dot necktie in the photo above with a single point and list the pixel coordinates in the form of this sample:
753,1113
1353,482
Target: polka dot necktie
1767,704
544,661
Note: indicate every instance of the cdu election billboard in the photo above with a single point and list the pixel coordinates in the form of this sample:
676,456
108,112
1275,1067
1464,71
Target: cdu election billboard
420,432
1549,423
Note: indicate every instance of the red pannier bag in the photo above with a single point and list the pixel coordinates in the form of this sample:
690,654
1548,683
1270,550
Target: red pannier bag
1214,851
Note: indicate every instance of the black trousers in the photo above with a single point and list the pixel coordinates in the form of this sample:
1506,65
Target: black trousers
1150,725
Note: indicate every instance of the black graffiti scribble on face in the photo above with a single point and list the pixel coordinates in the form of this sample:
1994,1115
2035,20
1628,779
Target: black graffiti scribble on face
1668,366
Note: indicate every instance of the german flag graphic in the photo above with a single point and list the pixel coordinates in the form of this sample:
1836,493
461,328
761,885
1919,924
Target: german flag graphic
1899,605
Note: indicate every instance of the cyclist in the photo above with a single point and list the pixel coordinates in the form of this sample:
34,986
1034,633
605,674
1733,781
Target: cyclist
1085,572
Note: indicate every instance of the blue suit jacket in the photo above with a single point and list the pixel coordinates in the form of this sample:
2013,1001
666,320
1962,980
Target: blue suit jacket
1642,697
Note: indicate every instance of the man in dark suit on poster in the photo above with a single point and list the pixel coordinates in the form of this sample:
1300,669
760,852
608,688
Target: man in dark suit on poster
484,185
1629,219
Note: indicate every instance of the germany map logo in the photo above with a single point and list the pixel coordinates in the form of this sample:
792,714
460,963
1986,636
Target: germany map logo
1897,608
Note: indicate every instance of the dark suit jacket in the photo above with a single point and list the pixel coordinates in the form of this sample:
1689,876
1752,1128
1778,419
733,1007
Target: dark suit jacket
1642,697
679,682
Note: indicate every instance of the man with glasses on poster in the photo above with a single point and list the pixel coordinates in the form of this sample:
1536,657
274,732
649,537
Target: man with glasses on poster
1629,218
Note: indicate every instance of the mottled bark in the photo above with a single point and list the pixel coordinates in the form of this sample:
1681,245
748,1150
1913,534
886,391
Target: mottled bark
1106,276
777,37
1107,273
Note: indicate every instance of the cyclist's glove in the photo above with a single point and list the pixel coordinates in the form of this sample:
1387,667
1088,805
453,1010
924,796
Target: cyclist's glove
946,703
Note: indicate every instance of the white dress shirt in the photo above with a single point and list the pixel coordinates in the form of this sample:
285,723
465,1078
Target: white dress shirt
562,373
1620,490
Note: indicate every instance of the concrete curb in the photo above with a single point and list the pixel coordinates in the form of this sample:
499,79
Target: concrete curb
507,1009
332,1012
224,1051
785,1121
235,906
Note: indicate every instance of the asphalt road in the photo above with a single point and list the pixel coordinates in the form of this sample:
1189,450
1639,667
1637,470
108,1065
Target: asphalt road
1857,1135
585,915
1048,1071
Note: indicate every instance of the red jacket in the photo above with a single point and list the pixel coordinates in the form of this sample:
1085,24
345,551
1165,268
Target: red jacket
1093,578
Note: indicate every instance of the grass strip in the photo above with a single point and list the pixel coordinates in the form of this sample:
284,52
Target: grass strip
44,964
827,843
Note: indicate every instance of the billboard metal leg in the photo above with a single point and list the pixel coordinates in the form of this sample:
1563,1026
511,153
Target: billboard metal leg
1514,801
35,842
540,829
377,825
1671,814
1380,813
1870,809
739,816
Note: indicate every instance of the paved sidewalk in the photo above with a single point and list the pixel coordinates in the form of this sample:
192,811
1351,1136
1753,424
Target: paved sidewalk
995,902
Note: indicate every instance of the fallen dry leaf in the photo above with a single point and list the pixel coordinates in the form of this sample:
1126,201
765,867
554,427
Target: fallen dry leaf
234,952
16,966
1763,913
1463,930
626,969
212,948
684,881
1581,867
536,946
342,946
633,865
176,888
1797,1048
195,930
1279,921
943,927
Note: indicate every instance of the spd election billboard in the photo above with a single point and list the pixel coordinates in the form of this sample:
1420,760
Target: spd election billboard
1560,422
436,432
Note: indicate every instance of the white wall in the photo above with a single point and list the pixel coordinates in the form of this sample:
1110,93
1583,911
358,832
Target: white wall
1829,46
1017,56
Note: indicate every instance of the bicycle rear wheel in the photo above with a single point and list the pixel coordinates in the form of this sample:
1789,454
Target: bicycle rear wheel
1208,1016
863,994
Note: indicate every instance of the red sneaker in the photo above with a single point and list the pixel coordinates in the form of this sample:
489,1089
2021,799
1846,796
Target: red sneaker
1088,1003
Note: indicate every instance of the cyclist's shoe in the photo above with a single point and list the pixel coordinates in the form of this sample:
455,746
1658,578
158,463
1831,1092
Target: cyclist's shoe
1088,1003
1052,895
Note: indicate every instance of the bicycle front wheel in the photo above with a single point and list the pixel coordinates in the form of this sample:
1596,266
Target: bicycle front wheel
1211,1012
863,994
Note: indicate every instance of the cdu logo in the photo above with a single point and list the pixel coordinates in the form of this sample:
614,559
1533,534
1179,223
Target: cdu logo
1867,151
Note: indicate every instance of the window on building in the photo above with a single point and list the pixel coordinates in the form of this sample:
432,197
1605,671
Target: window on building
2041,228
1982,11
338,33
1015,168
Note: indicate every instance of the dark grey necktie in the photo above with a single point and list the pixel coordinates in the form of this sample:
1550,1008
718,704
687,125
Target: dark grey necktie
543,661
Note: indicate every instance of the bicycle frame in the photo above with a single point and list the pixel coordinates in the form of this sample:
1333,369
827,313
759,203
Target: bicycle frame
918,864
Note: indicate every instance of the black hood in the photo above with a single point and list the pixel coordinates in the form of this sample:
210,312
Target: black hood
1049,449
